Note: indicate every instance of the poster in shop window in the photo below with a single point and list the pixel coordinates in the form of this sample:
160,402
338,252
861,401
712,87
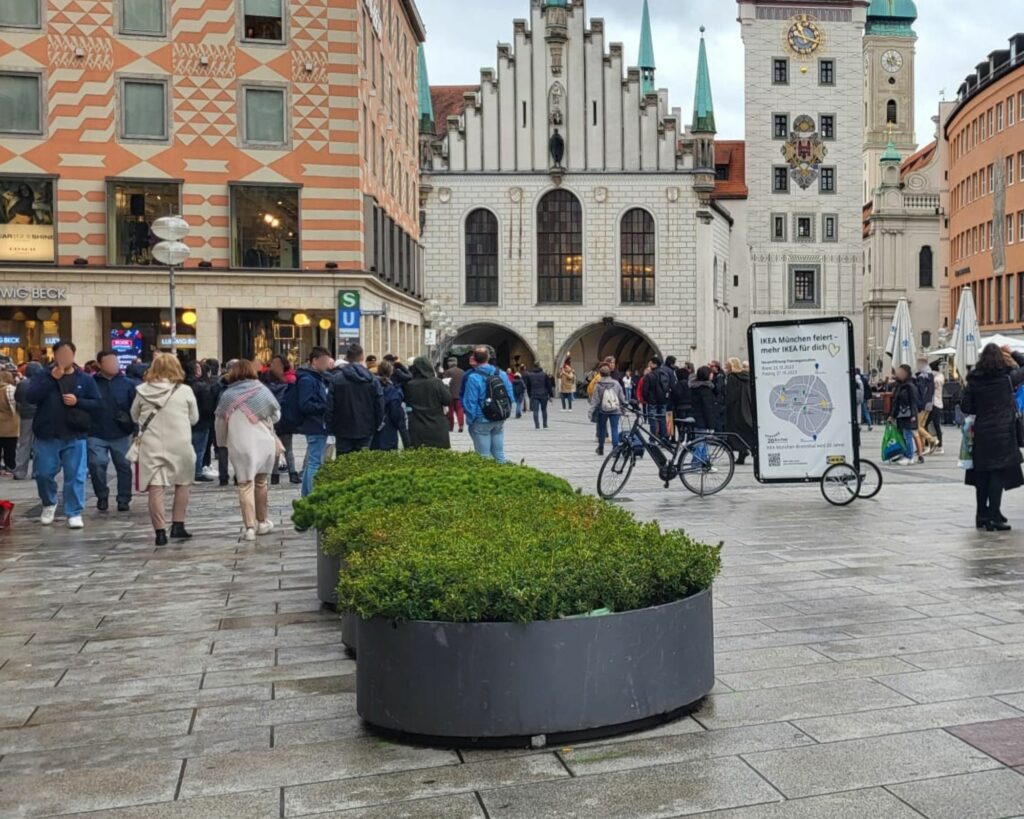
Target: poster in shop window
804,398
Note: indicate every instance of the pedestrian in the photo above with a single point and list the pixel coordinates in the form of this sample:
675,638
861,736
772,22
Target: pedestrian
10,425
541,387
718,379
207,393
924,381
26,412
427,398
682,403
453,378
903,412
567,385
310,407
702,394
396,427
863,396
165,411
402,374
371,363
279,378
487,399
64,402
220,449
519,393
938,406
657,392
606,406
627,385
111,433
355,406
739,409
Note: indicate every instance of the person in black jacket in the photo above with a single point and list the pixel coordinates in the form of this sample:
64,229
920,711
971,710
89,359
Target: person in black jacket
26,412
903,413
991,398
540,386
111,433
396,425
739,409
355,406
682,401
702,394
207,393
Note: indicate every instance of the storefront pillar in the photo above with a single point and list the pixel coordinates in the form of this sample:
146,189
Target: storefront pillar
85,332
208,335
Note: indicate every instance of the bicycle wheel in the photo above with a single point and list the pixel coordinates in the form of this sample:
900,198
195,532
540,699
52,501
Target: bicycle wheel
840,484
707,467
615,471
870,479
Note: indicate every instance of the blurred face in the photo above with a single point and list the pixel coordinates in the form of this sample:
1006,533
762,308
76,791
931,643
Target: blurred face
65,357
276,367
323,363
110,366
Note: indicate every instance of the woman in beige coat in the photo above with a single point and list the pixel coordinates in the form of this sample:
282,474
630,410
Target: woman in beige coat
10,424
245,420
165,412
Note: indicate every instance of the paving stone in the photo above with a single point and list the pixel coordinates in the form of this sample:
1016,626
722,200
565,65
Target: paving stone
265,804
216,679
343,684
12,716
960,683
898,645
464,806
273,712
757,659
872,803
983,655
865,763
988,795
819,672
87,732
1001,739
318,730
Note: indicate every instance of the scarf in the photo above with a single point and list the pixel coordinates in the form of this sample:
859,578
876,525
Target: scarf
251,397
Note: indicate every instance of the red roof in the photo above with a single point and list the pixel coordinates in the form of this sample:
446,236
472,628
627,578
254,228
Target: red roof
449,101
918,160
732,154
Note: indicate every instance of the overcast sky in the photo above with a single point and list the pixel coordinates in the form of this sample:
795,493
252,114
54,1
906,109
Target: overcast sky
953,37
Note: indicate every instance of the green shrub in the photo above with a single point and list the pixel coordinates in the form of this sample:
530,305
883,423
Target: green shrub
514,557
355,464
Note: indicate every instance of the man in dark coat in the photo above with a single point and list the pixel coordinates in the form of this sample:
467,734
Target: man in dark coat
427,398
311,387
355,406
111,433
540,386
739,409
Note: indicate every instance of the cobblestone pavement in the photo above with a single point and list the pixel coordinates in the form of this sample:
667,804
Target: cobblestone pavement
870,664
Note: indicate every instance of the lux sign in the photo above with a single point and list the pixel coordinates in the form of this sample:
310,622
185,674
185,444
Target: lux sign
373,6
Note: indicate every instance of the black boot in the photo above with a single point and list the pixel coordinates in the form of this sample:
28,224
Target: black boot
295,477
996,526
178,532
102,504
275,479
600,450
161,537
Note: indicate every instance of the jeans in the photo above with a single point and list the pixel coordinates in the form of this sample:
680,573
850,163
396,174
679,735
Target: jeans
26,437
866,413
315,445
540,408
456,411
908,442
605,420
346,446
199,439
289,453
519,406
54,455
489,439
101,453
566,400
935,422
9,452
658,416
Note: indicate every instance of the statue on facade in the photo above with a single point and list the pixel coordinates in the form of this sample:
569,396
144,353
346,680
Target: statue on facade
556,145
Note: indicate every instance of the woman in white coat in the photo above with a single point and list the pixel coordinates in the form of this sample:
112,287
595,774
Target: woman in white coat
245,420
165,411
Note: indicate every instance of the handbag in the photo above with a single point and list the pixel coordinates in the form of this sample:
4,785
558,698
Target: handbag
135,447
1018,424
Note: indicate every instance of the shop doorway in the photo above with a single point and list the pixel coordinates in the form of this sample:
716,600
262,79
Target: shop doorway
29,333
146,331
510,349
262,334
589,345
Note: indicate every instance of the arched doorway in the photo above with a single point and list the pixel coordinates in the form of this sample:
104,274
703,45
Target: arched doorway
510,349
589,345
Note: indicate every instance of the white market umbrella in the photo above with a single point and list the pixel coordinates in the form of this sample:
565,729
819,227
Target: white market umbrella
900,346
945,351
1015,344
966,335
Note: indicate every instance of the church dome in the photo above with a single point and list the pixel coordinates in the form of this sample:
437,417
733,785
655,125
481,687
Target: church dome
893,9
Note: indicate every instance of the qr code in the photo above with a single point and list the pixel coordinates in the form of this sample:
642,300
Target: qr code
775,459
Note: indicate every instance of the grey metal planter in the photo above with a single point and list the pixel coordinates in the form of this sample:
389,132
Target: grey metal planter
327,569
508,684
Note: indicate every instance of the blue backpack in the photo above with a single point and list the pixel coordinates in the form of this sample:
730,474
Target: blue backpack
291,412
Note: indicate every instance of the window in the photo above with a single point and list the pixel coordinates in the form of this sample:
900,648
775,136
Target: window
481,257
264,20
925,267
1010,111
830,228
804,232
988,228
780,71
26,219
803,287
559,249
890,112
132,207
637,251
19,13
926,338
263,111
264,226
999,116
722,173
826,72
141,17
828,126
778,228
1020,166
780,126
1020,226
1009,170
828,180
1011,297
780,179
20,103
991,123
144,109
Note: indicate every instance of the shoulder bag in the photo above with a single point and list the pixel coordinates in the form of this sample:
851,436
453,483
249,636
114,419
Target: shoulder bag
1018,422
132,455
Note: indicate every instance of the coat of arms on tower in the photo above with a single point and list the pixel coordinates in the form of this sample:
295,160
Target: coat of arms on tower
804,151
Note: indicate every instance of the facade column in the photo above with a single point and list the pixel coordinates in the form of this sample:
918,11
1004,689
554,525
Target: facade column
85,330
208,337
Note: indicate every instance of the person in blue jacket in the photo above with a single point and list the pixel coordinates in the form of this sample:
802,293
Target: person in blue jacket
311,384
111,432
65,400
396,427
488,436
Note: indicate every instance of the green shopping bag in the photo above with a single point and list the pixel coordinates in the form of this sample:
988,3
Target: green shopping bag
892,442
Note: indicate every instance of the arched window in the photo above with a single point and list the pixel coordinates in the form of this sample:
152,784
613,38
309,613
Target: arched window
559,249
481,257
925,267
637,250
890,112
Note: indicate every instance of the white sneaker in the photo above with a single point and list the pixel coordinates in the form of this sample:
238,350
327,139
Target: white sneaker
904,462
265,528
249,534
939,451
210,471
76,522
49,513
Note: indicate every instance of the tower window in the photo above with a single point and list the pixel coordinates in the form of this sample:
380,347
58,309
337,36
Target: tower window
925,267
827,72
828,126
780,179
828,180
780,126
778,228
780,71
890,112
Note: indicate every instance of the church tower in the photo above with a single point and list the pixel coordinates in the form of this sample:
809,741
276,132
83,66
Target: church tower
645,60
889,51
702,129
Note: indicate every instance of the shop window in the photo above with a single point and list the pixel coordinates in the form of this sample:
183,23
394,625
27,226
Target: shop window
20,102
132,207
20,13
144,109
481,257
925,267
264,112
142,17
560,249
26,219
637,248
28,332
264,20
264,226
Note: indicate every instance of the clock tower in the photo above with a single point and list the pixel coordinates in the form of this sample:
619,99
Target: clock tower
889,51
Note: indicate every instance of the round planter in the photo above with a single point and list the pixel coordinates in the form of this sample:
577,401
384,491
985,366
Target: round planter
554,681
327,569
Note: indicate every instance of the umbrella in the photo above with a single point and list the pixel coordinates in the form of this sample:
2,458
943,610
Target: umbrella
1016,344
966,335
943,352
900,347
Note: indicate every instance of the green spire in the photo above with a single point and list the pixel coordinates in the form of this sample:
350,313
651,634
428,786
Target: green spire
891,154
426,103
703,107
646,59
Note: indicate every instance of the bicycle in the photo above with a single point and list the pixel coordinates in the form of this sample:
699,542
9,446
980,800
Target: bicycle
841,484
704,463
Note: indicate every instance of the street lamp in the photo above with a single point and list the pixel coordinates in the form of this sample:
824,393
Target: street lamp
173,252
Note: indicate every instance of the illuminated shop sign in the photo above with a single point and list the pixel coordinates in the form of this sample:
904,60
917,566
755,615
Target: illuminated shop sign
180,341
7,340
51,341
33,293
26,219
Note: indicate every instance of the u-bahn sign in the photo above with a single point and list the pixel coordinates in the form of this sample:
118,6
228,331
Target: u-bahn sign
349,315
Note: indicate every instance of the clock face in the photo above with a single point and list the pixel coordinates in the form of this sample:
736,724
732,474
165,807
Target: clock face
804,37
892,61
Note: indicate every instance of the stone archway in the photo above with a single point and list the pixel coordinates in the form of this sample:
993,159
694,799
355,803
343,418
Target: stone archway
510,348
631,348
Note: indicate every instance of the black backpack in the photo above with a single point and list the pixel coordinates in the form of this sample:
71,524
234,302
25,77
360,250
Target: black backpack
497,404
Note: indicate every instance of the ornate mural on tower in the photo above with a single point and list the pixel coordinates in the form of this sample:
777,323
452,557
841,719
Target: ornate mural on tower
804,152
